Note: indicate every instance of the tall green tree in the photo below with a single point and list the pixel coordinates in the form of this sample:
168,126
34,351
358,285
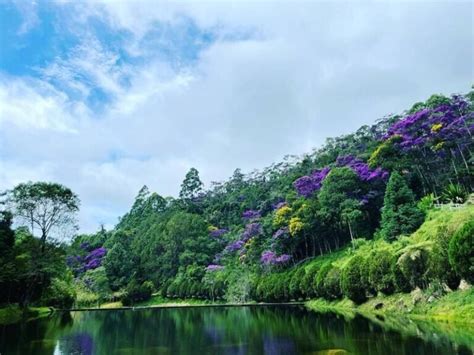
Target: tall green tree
119,261
191,186
339,210
50,207
400,215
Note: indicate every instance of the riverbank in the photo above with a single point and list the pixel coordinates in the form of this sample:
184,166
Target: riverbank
160,302
456,306
13,313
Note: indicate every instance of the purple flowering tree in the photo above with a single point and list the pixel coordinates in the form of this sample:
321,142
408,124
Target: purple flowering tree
269,258
251,215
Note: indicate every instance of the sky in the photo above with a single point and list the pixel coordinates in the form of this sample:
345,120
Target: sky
105,97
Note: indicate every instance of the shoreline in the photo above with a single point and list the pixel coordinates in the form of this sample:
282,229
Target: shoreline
184,305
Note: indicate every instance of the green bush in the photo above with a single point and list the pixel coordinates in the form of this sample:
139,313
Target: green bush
400,282
439,268
307,282
135,292
319,280
351,280
164,288
414,264
380,272
294,287
364,273
332,284
59,294
461,252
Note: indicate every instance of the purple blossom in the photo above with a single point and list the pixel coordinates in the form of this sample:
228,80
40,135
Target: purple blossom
270,258
282,232
251,215
251,230
307,185
216,233
267,257
98,253
282,259
93,264
361,168
214,267
234,246
448,124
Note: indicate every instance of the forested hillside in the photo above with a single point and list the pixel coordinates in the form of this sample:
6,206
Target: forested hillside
337,222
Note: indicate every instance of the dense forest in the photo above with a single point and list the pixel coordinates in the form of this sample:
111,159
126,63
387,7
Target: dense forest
341,221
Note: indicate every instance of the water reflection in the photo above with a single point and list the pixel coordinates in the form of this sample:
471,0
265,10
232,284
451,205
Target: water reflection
246,330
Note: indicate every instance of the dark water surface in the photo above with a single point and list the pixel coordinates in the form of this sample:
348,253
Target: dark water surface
228,330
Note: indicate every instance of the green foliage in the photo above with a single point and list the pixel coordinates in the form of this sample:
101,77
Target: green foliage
191,185
352,285
47,206
294,286
380,272
426,203
319,280
454,193
338,209
414,264
400,281
307,281
439,267
399,213
461,252
387,155
136,292
332,284
98,283
118,262
59,294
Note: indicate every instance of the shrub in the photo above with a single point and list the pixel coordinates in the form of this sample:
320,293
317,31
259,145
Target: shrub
307,282
414,264
164,288
171,291
364,274
136,292
332,284
380,272
400,282
59,294
461,252
439,267
351,280
454,193
294,287
319,280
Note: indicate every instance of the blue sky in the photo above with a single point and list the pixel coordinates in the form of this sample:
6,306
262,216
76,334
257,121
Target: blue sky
107,96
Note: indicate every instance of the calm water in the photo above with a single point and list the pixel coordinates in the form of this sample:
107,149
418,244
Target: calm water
228,330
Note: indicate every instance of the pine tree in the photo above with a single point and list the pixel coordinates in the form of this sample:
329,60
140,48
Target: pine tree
191,185
400,215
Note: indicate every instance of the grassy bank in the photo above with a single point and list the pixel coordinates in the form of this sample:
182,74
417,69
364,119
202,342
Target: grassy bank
457,306
13,313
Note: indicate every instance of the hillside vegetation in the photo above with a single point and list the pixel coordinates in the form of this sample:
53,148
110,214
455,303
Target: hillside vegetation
382,211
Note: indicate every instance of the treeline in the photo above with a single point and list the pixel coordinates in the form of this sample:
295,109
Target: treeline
251,236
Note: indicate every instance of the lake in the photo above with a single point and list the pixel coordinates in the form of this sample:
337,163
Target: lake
230,330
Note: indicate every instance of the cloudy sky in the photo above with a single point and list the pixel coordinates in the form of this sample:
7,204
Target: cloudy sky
107,96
